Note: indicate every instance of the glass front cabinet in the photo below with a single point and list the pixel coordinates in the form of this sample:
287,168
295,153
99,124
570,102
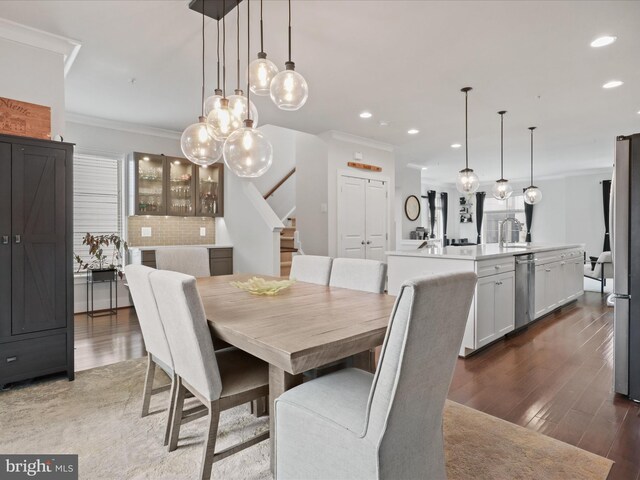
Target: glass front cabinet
175,186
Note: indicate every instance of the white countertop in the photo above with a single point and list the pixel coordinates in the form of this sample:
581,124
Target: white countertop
211,245
479,252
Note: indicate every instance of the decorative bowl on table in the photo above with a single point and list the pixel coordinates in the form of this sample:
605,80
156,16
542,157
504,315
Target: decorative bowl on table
260,286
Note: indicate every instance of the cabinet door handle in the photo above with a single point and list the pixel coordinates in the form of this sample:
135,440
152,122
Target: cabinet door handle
547,270
5,239
563,263
18,238
11,359
498,267
362,242
368,242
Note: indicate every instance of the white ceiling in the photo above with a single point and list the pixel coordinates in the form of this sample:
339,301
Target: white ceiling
405,61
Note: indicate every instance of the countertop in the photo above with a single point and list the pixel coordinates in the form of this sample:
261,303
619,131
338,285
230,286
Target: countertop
480,252
211,245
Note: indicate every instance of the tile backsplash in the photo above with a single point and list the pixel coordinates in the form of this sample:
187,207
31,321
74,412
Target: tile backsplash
170,230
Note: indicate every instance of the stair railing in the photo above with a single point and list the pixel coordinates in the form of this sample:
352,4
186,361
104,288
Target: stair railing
280,183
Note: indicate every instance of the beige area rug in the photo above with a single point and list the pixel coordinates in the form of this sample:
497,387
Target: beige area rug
98,417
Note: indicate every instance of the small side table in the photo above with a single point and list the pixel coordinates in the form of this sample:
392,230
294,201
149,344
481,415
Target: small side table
102,276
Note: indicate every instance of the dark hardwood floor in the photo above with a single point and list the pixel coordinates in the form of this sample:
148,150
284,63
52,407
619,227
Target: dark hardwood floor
555,377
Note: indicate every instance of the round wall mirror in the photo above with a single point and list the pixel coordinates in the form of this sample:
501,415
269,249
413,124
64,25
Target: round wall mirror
412,207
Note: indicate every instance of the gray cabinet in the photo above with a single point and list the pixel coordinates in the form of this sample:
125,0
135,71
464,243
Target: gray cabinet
36,289
220,260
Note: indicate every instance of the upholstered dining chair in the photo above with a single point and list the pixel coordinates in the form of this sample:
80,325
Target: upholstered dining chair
220,379
352,424
600,270
153,334
358,274
192,261
311,269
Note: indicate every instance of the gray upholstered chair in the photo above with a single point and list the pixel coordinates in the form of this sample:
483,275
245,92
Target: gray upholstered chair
601,270
192,261
352,424
358,274
220,379
311,269
153,334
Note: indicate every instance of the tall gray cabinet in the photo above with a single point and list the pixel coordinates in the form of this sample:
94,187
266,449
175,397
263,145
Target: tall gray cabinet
36,276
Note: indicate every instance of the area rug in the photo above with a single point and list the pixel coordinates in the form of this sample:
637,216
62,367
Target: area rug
98,417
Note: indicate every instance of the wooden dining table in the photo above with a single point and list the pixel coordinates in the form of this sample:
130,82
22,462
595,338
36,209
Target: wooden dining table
304,327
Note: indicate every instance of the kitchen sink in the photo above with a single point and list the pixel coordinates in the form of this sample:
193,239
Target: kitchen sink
516,245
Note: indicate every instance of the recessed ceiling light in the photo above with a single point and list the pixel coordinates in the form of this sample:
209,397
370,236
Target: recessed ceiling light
384,123
146,159
612,84
603,41
366,115
455,145
177,162
413,131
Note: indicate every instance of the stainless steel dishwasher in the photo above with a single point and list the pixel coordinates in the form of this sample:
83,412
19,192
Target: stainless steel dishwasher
525,290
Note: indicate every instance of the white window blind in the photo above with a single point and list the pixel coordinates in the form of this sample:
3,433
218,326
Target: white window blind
497,210
96,199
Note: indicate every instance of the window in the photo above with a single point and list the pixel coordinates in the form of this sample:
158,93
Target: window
426,217
496,210
97,203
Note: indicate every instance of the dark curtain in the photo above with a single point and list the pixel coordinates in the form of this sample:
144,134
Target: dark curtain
528,216
479,213
606,190
431,198
444,199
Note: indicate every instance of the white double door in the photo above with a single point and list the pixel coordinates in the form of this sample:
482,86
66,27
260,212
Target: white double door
362,218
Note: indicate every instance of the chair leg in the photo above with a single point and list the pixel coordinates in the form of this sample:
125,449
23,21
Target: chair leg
148,385
172,402
210,441
176,418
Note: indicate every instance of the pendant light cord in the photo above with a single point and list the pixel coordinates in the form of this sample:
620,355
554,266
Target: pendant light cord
224,52
218,54
238,44
502,144
261,30
249,52
202,96
466,130
289,30
532,129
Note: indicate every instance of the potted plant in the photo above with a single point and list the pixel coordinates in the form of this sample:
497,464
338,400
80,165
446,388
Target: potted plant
103,264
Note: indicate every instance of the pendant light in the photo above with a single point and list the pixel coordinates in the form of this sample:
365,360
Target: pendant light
502,189
238,102
532,194
247,151
196,143
261,70
289,89
213,101
467,181
220,121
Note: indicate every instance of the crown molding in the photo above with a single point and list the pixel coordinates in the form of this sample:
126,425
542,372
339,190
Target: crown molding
367,142
19,33
81,119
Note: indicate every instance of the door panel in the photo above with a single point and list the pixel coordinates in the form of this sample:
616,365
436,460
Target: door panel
38,258
5,248
505,304
540,295
376,220
351,211
485,311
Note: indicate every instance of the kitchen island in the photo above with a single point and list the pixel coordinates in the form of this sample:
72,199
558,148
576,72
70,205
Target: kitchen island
554,280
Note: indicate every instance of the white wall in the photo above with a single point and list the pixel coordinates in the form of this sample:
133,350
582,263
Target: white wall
408,182
312,221
341,149
34,75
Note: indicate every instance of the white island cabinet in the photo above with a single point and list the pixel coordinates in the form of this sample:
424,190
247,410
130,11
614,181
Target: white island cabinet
558,281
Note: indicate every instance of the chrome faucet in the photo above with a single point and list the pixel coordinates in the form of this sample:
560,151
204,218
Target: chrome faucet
501,241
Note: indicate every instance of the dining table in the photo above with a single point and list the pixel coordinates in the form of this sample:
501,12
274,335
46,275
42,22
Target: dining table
303,327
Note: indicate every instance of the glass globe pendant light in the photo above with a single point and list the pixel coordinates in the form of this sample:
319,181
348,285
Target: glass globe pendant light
220,121
196,143
247,151
238,102
502,189
289,89
532,194
214,100
261,70
467,181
